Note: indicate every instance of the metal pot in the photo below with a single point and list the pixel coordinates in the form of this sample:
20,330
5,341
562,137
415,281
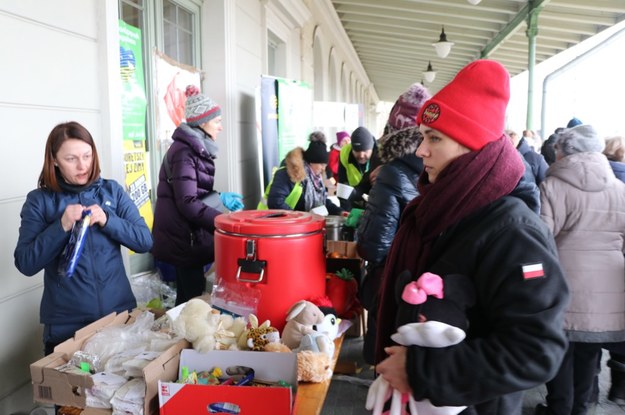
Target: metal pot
334,224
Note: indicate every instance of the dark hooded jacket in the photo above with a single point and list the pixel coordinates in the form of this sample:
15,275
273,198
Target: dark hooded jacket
183,225
536,161
489,246
395,187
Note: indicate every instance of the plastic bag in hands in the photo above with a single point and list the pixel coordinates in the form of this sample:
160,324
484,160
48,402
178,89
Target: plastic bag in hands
380,391
232,201
73,249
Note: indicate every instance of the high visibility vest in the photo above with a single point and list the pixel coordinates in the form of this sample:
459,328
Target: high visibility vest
354,176
291,200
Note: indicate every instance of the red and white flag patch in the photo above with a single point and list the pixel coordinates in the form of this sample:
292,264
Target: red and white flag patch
533,271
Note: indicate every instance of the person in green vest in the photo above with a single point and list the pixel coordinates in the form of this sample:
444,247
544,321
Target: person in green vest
358,162
299,182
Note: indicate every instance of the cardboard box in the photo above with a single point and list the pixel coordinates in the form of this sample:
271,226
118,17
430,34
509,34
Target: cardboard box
352,261
178,398
69,389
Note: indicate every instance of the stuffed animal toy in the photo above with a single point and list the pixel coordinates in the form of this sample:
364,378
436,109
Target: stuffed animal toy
256,337
313,366
300,319
322,338
277,347
439,314
206,329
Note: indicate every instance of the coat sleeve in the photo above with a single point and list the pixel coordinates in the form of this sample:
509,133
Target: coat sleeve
41,237
541,170
280,189
552,207
185,190
519,340
125,225
380,219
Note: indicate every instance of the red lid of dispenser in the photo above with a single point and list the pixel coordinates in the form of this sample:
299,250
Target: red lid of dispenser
270,222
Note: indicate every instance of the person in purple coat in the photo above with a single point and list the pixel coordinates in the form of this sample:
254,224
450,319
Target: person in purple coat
183,224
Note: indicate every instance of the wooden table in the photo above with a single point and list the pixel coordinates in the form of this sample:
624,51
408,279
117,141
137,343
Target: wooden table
311,396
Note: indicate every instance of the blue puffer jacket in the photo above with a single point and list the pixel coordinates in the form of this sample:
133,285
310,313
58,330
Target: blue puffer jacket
394,188
619,169
536,161
183,225
99,284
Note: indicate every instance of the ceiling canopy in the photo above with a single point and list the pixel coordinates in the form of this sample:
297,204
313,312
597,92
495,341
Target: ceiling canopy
393,38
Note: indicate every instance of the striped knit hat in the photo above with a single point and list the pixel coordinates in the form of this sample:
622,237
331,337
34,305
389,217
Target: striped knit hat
199,109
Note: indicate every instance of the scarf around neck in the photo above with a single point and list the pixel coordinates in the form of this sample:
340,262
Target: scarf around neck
314,190
467,184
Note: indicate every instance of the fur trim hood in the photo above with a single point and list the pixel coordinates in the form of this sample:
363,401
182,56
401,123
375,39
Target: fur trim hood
294,162
399,143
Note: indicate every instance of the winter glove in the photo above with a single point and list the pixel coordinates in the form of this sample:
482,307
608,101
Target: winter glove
353,218
232,201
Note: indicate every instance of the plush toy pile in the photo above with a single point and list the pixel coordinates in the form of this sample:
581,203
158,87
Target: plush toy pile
308,332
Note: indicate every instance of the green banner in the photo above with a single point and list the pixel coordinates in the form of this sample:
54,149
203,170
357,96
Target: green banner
294,115
133,119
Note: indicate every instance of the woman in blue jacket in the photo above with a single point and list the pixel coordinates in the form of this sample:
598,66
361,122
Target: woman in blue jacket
70,184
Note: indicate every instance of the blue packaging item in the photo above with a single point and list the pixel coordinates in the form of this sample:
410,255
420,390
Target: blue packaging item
73,249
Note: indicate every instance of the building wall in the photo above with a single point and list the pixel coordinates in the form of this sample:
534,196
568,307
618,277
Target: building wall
55,68
61,62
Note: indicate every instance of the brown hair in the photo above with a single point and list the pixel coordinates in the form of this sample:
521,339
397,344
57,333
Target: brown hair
58,135
615,148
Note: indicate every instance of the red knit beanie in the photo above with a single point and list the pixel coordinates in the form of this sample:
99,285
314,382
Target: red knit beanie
471,109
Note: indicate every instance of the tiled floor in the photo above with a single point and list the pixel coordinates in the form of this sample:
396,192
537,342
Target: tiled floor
347,394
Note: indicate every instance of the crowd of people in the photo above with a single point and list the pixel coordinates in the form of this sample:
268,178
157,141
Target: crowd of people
537,229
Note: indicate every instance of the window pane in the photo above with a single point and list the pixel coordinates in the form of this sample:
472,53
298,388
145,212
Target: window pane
169,31
169,11
185,48
178,32
131,15
184,19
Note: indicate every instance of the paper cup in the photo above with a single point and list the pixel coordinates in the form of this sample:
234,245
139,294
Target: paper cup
343,191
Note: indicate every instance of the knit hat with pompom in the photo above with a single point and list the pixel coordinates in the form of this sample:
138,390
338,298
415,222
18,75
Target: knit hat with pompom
199,108
317,151
404,112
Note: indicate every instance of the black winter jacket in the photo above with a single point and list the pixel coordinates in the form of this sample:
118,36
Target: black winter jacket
395,187
536,161
516,319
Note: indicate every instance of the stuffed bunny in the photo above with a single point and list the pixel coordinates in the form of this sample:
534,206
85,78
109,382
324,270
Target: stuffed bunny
439,312
300,319
322,337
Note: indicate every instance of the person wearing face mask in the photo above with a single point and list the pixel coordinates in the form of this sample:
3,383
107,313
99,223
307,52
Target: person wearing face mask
474,217
299,182
184,224
69,186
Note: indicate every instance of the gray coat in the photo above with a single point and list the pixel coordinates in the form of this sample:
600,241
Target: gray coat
583,204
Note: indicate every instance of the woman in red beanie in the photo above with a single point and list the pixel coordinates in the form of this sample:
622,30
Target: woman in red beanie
475,216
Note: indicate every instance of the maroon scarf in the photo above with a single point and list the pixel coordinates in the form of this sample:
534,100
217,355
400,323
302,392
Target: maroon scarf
466,185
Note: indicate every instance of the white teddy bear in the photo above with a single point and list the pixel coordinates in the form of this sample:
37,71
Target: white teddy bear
207,329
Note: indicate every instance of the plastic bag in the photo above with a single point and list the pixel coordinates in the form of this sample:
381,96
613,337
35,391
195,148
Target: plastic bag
238,300
151,292
73,249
